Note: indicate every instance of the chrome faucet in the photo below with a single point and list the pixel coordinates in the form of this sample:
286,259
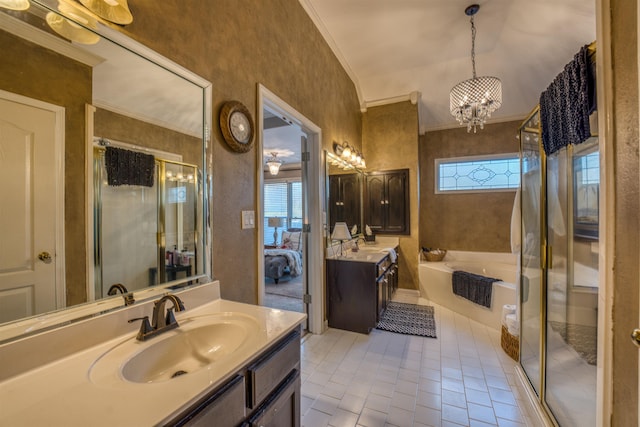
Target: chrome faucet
160,322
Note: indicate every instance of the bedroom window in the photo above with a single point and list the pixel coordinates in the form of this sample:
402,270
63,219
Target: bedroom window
498,172
282,199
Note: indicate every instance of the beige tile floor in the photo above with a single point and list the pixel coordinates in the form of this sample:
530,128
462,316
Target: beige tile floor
461,378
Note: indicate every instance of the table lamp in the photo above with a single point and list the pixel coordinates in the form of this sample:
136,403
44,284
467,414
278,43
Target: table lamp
341,232
276,222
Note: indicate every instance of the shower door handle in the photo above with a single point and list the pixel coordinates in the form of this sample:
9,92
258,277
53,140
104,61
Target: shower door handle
635,337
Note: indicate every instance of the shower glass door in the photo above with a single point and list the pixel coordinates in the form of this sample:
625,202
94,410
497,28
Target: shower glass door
532,277
177,222
147,234
572,283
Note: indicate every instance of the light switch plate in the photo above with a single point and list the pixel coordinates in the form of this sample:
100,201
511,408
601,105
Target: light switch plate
248,219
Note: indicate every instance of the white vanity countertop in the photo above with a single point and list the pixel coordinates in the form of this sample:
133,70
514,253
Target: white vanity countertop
369,252
63,393
362,256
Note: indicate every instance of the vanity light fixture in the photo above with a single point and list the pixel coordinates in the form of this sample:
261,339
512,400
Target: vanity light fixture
341,232
116,11
472,101
348,156
179,177
15,4
72,30
274,164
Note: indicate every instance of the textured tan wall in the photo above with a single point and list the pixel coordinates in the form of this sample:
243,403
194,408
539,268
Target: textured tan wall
67,84
390,141
627,200
466,222
110,125
236,45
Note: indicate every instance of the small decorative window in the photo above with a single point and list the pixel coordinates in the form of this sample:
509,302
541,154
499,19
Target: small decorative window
500,172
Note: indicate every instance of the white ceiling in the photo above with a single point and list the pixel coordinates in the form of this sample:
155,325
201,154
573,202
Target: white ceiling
393,49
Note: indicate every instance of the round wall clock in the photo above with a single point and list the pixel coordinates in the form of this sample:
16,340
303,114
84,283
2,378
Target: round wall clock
236,125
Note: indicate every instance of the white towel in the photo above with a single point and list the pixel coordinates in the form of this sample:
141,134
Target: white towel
512,325
516,224
392,254
506,310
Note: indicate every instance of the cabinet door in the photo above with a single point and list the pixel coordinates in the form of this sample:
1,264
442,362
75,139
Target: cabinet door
335,201
282,408
351,295
396,202
375,203
350,187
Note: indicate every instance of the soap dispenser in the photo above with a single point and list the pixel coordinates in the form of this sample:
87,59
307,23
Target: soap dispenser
176,255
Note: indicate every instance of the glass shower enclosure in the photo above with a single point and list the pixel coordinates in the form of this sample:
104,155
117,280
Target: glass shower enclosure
145,235
559,281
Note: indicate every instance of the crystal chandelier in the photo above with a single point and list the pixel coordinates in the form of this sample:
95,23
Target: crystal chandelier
472,101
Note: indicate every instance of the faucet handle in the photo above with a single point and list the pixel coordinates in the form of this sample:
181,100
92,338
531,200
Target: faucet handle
170,318
145,327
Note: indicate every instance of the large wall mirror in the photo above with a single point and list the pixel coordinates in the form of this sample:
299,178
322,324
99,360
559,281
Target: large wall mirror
344,195
102,152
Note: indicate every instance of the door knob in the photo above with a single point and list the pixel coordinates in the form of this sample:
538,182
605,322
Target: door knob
635,337
45,257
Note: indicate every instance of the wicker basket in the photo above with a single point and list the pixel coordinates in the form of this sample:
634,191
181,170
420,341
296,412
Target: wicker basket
434,256
510,344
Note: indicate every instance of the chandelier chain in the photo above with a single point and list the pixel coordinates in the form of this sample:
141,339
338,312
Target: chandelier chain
473,46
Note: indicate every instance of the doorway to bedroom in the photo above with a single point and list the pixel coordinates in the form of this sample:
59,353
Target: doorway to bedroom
290,263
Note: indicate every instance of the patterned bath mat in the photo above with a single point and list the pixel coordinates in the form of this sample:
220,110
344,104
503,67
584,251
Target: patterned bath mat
409,319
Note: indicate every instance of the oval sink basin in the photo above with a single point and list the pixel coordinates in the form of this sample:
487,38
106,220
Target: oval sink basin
195,344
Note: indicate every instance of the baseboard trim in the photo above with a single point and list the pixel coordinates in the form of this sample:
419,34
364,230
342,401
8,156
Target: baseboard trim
408,292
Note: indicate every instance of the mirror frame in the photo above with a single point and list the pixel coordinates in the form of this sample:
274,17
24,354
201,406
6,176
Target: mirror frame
51,320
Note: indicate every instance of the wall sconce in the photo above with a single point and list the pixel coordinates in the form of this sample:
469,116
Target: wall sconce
349,157
116,11
274,164
15,4
341,232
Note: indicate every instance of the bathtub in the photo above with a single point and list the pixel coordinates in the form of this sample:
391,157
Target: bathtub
435,283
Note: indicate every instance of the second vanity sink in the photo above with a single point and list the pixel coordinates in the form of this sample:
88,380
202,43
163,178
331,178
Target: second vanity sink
197,343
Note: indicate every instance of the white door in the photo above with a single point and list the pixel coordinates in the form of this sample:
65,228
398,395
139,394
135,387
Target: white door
29,163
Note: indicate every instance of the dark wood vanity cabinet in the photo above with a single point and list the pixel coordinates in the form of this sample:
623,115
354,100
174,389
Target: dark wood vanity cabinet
344,199
358,293
386,206
265,393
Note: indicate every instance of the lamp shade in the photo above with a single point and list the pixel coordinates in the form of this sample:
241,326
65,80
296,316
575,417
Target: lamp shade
15,4
340,231
72,30
116,11
275,221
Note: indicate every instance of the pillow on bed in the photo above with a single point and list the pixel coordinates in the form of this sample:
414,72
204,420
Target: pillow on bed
291,240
